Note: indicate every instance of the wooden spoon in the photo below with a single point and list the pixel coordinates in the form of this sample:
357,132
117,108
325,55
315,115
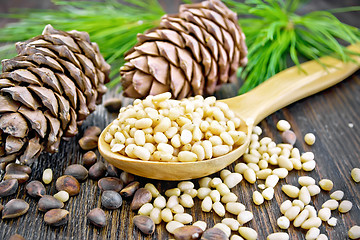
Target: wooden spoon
279,91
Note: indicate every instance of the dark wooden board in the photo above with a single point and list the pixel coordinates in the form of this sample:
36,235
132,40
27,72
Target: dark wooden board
328,115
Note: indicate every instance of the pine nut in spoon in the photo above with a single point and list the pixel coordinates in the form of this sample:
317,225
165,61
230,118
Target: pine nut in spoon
250,108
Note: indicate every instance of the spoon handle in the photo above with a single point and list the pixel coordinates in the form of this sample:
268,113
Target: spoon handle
291,85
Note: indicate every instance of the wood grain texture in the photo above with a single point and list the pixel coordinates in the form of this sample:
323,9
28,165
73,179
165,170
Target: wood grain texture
328,114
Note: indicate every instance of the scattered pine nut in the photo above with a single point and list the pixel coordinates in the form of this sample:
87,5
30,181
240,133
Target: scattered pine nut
258,199
290,190
306,181
235,207
355,174
324,214
62,196
345,206
244,217
354,232
200,224
337,195
278,236
309,138
312,234
326,184
332,222
283,222
47,176
248,233
283,125
331,203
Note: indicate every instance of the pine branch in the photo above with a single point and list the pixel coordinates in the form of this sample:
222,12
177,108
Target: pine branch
275,33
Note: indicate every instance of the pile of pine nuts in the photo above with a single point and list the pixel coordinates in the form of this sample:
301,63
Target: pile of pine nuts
264,161
160,129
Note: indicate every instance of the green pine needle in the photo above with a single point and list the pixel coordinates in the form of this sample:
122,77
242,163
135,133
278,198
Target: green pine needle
112,25
275,33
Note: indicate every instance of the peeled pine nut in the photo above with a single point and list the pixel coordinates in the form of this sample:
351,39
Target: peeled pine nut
236,237
290,190
155,215
263,174
300,219
312,211
284,162
280,172
292,212
306,181
326,184
223,227
283,125
309,166
224,173
232,223
332,222
177,209
172,201
203,192
218,208
345,206
200,224
285,206
47,176
271,181
337,195
205,182
248,233
186,201
166,215
145,209
355,174
215,196
354,232
249,175
304,195
159,202
314,190
241,167
206,204
311,222
215,181
222,189
283,222
307,156
183,218
229,197
298,203
154,192
187,156
185,185
191,192
62,196
309,138
258,199
172,226
324,214
268,193
235,207
312,234
278,236
322,237
244,217
332,204
233,179
172,192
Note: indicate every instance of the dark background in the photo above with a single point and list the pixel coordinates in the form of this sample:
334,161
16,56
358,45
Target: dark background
328,115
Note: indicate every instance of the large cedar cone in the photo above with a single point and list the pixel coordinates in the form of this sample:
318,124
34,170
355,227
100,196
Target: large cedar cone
190,53
47,91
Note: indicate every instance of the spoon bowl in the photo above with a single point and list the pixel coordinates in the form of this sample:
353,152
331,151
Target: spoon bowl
279,91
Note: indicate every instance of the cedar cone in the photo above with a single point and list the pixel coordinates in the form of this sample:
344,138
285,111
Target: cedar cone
190,53
47,91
